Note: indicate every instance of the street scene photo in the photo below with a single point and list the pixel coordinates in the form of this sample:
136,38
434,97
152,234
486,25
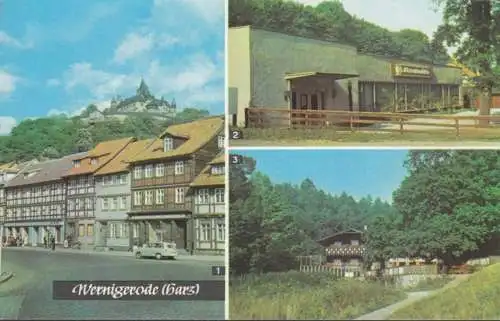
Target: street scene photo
358,72
112,160
364,234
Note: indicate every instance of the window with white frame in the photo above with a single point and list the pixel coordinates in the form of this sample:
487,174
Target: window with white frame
138,172
221,232
123,203
123,179
93,161
168,144
135,230
204,232
115,204
179,168
137,198
218,170
160,170
76,163
148,171
219,195
160,196
116,180
112,230
179,195
105,204
220,141
203,196
148,197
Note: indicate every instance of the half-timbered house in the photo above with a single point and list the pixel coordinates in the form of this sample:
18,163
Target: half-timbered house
7,172
112,185
36,201
80,220
161,175
344,248
209,207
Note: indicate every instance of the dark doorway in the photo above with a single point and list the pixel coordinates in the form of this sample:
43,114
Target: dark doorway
349,93
180,234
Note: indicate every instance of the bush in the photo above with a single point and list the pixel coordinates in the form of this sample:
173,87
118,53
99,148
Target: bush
297,295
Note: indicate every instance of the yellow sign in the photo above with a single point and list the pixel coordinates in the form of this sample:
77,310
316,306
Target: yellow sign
411,71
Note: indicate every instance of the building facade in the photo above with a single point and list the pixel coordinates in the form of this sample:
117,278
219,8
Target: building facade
344,248
161,175
209,208
81,196
7,172
275,70
112,187
35,205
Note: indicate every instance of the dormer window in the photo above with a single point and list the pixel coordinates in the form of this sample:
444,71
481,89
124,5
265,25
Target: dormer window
218,170
168,144
93,161
76,163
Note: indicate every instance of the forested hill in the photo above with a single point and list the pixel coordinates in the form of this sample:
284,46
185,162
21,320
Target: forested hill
271,223
331,22
57,136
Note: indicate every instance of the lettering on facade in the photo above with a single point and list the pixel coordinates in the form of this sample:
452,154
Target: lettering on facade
411,71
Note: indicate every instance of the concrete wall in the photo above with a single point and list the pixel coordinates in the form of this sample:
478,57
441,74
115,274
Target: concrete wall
239,71
273,55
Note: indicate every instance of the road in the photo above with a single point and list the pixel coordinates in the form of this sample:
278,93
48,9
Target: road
29,294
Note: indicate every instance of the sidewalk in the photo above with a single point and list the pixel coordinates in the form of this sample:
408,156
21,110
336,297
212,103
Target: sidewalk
219,259
385,313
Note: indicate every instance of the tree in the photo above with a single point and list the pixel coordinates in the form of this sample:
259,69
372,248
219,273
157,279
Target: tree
84,141
474,27
89,110
448,204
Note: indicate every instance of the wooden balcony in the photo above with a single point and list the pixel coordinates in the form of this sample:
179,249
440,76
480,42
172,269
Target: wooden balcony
345,250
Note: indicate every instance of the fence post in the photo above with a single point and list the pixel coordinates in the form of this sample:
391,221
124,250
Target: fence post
246,117
457,127
351,125
401,129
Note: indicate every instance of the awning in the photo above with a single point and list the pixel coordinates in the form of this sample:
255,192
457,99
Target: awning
297,75
158,217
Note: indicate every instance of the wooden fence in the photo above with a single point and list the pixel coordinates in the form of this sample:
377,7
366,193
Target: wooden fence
341,272
364,121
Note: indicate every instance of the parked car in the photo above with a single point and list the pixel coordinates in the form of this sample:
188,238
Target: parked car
158,250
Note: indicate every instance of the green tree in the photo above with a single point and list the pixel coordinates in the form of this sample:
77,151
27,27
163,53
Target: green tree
474,28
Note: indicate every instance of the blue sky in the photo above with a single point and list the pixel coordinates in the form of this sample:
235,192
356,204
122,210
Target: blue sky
394,14
357,172
60,55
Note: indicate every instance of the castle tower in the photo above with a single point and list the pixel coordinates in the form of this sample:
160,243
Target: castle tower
143,90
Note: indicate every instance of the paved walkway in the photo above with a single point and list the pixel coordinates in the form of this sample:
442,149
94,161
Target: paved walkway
385,313
220,259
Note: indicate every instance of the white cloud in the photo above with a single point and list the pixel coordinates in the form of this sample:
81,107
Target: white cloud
184,80
75,111
7,40
101,84
6,124
7,82
137,44
132,46
53,82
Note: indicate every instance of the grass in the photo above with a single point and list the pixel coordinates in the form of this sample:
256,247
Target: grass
332,136
299,296
473,299
430,284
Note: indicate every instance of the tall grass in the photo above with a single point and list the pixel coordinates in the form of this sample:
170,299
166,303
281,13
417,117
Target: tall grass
296,295
474,299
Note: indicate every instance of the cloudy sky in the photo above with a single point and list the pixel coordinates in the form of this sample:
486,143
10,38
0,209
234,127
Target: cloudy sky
394,14
62,55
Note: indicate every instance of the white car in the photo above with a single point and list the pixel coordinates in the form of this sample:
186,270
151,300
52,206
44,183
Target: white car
158,250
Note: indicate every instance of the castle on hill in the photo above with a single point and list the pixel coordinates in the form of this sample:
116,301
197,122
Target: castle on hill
143,102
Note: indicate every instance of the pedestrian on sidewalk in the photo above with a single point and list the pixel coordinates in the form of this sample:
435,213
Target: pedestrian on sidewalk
53,243
45,241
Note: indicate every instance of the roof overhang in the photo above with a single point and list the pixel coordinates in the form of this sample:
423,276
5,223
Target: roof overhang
298,75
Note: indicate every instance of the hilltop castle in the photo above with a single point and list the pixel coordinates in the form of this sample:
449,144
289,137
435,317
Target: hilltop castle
143,102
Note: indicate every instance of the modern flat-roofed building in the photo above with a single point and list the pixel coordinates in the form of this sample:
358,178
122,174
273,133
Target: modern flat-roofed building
275,70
